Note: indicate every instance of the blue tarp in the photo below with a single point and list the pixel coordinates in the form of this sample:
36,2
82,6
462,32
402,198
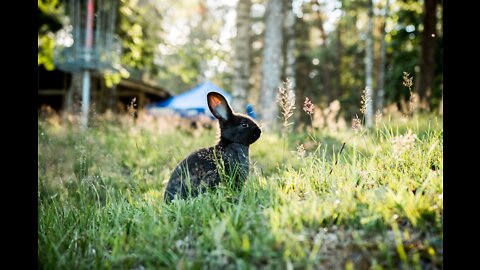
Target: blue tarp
192,102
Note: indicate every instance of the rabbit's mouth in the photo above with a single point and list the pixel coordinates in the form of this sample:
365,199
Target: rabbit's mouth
256,134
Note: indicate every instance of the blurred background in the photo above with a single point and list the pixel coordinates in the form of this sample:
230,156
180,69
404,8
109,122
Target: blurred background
106,55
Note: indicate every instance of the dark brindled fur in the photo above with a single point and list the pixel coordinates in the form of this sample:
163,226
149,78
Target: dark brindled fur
201,169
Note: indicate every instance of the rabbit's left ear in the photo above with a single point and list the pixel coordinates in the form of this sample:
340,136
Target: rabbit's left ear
219,106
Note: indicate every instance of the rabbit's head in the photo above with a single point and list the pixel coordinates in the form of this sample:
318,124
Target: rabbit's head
234,128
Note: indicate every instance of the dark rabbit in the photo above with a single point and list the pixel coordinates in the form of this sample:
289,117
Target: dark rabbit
202,168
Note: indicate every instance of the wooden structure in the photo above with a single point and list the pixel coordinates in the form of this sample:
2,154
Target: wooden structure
53,88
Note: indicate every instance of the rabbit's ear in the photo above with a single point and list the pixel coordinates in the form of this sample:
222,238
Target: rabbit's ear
219,106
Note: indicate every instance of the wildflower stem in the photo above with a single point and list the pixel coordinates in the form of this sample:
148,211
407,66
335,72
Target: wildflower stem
336,161
313,135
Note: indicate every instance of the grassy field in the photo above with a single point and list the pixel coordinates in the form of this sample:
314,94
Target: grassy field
100,199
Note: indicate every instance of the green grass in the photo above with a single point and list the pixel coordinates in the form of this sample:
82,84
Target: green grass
100,200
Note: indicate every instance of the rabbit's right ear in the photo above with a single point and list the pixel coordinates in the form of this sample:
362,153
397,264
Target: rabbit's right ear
219,106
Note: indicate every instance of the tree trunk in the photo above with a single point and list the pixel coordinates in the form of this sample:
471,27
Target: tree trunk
428,53
369,65
383,49
327,86
290,44
271,63
241,75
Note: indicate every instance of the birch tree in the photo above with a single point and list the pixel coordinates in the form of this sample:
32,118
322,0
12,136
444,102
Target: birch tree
271,62
241,76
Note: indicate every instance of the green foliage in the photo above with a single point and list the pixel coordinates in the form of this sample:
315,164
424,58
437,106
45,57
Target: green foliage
177,63
46,45
101,203
403,51
135,54
111,78
49,14
198,46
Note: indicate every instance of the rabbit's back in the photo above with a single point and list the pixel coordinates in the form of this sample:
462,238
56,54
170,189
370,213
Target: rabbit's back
200,170
197,169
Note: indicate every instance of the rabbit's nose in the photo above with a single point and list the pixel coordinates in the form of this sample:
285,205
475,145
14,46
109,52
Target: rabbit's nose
256,133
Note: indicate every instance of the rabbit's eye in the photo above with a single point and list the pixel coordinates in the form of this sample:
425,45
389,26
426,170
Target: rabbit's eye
245,125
